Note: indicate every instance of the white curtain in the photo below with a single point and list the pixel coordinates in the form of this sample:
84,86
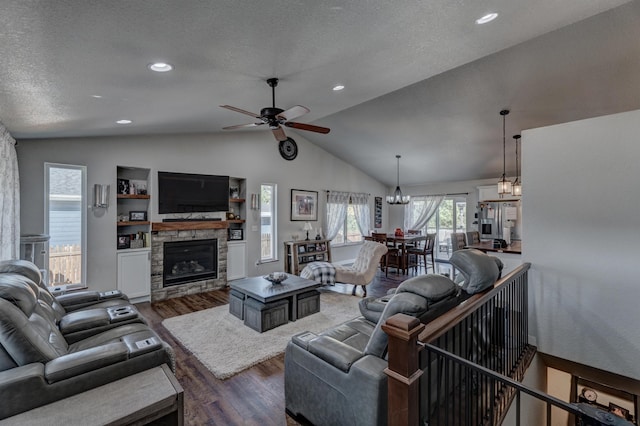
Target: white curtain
9,197
360,203
420,210
337,203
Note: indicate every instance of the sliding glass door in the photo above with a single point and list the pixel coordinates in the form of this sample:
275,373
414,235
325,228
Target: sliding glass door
450,217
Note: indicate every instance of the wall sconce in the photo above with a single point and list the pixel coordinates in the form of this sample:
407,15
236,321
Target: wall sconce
101,195
255,202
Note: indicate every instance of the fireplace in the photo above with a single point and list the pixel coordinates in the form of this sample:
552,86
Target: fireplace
188,261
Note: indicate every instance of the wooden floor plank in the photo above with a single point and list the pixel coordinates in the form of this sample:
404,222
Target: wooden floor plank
252,397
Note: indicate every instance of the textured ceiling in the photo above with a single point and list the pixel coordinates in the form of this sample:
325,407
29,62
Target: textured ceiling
422,79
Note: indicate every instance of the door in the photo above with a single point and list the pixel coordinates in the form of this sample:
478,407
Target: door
450,217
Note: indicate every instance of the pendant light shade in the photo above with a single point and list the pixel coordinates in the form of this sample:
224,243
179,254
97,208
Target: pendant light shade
504,185
516,188
397,197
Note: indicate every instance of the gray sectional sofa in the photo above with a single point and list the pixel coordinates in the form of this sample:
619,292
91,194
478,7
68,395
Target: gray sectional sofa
52,348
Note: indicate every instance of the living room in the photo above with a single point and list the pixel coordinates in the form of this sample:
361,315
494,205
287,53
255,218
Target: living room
579,196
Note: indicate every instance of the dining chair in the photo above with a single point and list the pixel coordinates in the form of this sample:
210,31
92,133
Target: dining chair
417,256
458,241
392,257
473,237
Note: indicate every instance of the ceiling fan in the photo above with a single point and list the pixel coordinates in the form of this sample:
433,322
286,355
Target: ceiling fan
275,118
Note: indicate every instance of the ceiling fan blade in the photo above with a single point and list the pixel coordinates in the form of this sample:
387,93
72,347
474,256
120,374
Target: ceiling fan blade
241,111
278,132
293,112
308,127
242,126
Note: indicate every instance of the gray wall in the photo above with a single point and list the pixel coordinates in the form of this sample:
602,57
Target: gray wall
251,155
580,204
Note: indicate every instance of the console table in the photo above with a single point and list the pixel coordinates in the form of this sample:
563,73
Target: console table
149,396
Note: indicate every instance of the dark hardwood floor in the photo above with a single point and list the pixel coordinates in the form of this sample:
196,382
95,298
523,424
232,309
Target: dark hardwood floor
253,397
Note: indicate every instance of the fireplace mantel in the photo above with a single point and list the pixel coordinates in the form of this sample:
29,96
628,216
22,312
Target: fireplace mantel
189,224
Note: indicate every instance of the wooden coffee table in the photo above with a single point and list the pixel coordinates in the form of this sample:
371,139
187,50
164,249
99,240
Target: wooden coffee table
264,291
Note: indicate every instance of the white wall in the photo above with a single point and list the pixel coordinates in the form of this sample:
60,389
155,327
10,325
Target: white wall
251,155
581,198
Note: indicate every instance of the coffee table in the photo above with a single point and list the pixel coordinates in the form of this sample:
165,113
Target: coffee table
262,290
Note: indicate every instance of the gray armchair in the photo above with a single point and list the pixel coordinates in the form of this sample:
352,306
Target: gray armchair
338,377
38,365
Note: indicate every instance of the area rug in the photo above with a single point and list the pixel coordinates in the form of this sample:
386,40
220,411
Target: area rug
226,346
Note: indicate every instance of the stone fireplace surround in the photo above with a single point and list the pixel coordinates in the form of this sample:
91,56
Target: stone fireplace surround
186,231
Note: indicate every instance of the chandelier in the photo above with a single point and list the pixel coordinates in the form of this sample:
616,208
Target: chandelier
397,197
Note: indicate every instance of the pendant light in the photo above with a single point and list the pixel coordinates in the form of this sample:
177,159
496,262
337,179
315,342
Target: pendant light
516,188
397,197
504,185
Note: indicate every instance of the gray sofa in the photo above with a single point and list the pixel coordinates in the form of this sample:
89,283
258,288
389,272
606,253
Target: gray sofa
40,363
338,377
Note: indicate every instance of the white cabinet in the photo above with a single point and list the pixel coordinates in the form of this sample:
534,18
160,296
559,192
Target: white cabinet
134,272
488,192
236,260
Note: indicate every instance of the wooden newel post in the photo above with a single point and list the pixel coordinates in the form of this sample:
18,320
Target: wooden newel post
403,370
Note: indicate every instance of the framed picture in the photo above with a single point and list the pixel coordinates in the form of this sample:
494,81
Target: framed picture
138,187
312,247
301,249
618,411
235,234
137,216
124,241
377,208
123,186
234,192
304,205
320,257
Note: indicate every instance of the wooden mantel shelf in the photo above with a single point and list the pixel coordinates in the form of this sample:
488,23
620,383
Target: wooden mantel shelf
187,225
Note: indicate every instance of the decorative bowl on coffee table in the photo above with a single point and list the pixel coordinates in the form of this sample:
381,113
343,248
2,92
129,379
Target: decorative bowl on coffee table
276,277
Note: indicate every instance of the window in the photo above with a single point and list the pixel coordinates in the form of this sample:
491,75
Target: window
65,222
350,232
268,239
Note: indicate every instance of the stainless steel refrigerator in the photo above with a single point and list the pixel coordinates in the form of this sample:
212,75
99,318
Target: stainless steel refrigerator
500,219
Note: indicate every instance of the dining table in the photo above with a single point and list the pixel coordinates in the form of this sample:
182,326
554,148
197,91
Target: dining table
402,242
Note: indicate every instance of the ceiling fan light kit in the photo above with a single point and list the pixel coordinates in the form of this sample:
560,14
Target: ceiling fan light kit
504,185
275,118
397,197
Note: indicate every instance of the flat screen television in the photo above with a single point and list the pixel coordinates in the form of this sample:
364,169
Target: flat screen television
189,193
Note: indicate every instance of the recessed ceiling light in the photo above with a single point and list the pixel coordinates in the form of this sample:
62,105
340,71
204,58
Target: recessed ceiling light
96,96
338,87
486,18
160,67
124,122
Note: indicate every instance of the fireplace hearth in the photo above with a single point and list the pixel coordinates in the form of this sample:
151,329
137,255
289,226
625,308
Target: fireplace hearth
188,261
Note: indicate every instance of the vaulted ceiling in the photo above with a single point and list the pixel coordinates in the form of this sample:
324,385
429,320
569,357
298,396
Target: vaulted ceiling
421,79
